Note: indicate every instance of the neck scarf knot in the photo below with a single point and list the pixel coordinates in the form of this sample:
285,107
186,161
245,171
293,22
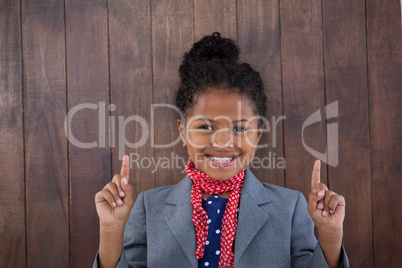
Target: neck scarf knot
202,182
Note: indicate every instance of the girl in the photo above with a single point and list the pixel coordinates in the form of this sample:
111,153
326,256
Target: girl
219,215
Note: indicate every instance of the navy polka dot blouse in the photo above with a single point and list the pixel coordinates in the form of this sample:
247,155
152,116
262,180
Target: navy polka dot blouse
215,207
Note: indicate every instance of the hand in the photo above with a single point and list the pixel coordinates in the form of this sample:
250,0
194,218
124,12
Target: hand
115,200
326,208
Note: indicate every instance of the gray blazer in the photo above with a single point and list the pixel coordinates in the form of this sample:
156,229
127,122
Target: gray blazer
274,229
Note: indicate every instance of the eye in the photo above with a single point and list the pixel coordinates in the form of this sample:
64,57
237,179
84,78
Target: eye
239,129
206,127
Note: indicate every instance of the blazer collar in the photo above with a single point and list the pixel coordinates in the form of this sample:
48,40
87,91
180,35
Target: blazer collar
254,189
179,216
181,193
251,216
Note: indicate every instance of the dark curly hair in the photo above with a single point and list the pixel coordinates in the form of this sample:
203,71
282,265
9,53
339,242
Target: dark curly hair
212,62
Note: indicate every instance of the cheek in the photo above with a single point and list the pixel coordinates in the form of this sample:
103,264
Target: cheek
249,140
198,140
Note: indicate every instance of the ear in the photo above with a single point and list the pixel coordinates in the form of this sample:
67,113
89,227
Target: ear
182,130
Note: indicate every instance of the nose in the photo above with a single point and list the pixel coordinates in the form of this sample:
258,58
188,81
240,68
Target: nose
222,138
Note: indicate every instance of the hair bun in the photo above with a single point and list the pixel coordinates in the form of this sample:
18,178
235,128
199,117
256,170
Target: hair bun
212,63
213,48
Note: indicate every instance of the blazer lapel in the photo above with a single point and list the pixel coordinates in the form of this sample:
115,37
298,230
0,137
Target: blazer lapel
179,214
251,216
179,218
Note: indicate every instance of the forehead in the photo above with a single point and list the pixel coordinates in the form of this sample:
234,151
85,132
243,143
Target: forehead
214,103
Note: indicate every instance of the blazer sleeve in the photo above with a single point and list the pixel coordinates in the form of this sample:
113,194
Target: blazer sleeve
134,252
306,251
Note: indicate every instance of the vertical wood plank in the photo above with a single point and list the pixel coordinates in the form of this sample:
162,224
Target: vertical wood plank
346,82
259,43
303,89
12,210
172,36
47,212
385,68
215,16
88,82
131,86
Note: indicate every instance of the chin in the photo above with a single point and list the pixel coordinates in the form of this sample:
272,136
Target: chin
222,174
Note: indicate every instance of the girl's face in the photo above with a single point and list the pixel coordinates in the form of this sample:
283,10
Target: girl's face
221,133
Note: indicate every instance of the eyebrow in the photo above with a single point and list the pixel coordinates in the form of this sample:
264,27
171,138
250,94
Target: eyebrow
211,120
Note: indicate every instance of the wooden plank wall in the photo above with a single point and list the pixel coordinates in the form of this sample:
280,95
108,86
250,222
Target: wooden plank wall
117,58
44,92
12,182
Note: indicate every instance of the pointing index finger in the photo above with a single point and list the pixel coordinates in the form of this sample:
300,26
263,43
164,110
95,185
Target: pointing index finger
315,178
125,167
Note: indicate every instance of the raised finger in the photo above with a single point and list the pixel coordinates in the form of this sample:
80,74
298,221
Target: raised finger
315,177
125,167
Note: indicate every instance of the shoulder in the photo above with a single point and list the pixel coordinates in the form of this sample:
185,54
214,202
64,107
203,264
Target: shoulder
171,194
159,191
284,197
281,192
282,205
264,192
155,196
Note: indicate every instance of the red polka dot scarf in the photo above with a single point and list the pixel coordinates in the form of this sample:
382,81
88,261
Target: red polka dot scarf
203,182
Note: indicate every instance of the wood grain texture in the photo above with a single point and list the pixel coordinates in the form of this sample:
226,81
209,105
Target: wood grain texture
88,82
259,43
127,53
215,16
346,82
303,89
131,87
385,68
47,211
172,36
12,198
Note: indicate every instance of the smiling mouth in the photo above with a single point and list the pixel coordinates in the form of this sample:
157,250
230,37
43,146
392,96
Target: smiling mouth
221,159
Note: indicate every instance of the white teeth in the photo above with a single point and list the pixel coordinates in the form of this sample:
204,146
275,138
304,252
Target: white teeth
221,159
